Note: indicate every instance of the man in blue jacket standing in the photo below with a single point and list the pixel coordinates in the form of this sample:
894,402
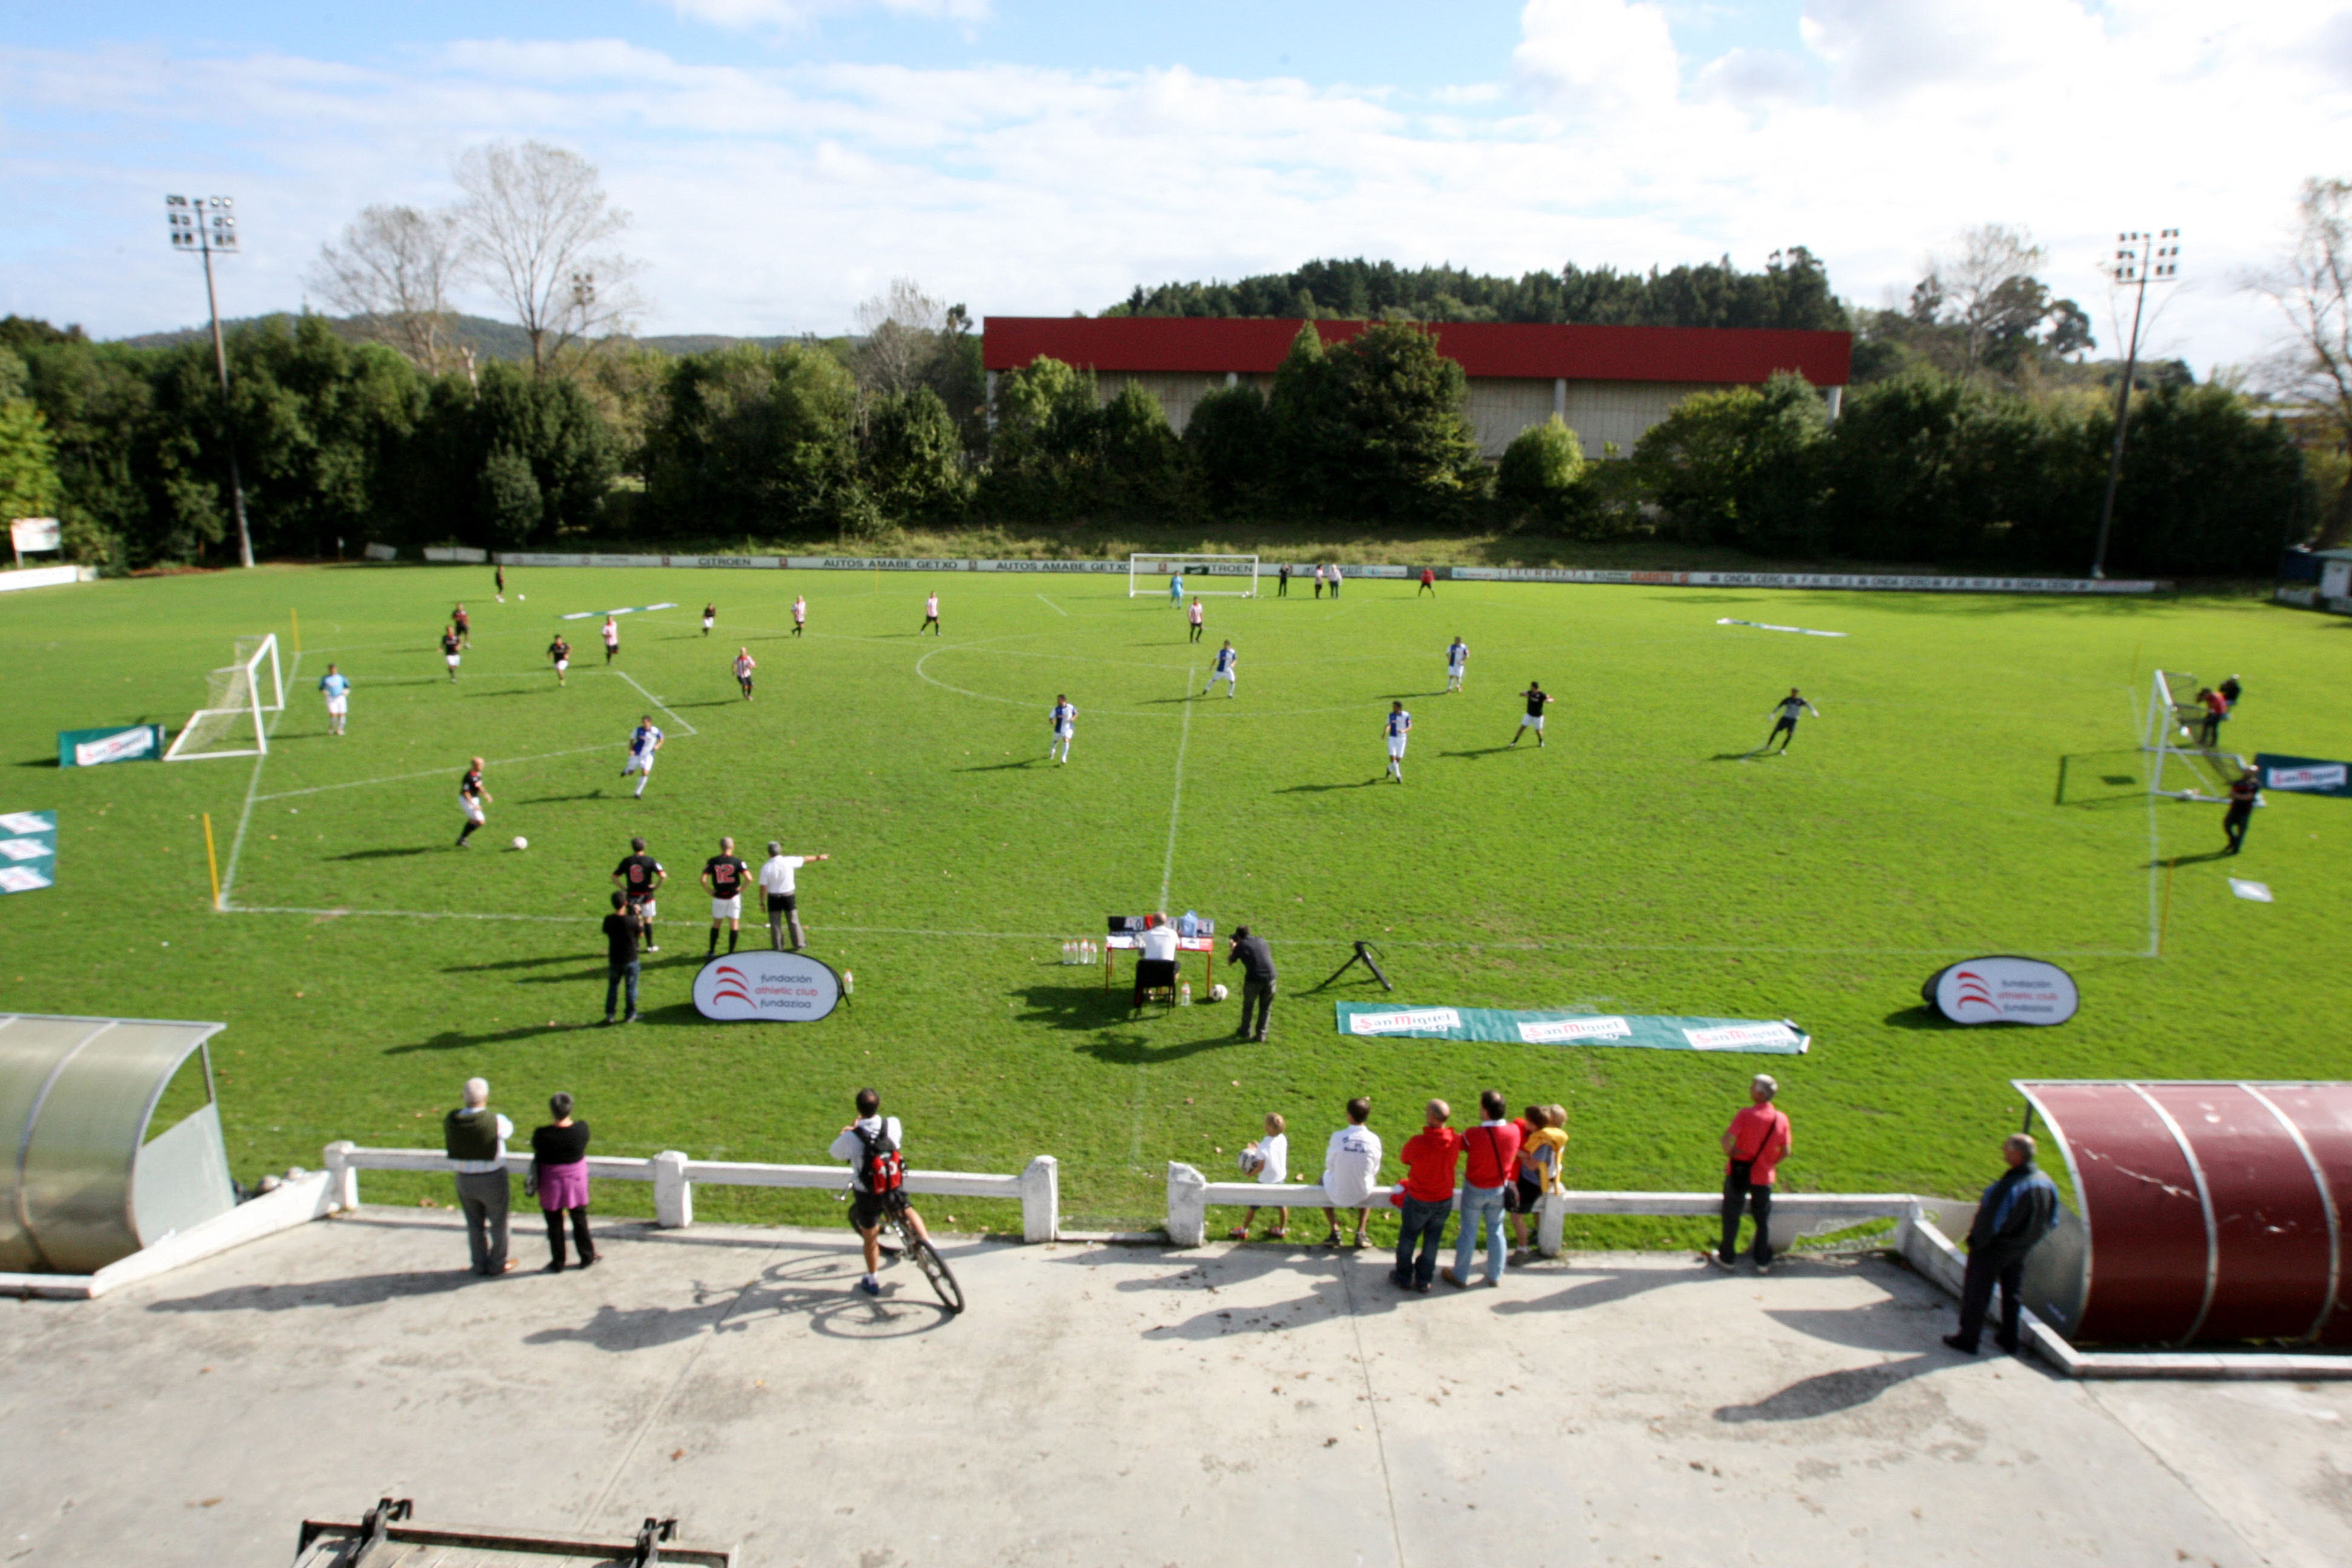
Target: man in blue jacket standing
2017,1212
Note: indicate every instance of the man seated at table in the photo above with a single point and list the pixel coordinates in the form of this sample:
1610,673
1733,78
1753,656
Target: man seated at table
1155,961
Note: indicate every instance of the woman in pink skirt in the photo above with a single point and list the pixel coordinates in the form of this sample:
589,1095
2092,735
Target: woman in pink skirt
559,1166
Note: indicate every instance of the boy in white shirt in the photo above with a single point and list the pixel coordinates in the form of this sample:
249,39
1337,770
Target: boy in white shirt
1268,1159
1351,1169
1066,727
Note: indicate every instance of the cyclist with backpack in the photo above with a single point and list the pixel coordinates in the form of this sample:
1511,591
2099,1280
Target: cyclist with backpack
877,1178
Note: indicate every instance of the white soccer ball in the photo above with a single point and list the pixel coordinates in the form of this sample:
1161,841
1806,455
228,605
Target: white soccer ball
1218,992
521,842
519,597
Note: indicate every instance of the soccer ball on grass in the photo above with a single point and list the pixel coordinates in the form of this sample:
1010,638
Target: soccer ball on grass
521,842
1218,992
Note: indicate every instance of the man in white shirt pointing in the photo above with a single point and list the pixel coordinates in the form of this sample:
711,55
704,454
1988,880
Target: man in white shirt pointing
777,881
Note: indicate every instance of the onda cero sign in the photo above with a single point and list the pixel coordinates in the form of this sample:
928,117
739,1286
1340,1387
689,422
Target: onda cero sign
2001,990
767,988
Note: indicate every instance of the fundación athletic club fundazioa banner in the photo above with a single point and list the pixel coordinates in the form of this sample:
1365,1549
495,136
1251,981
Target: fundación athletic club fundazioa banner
766,988
1552,1027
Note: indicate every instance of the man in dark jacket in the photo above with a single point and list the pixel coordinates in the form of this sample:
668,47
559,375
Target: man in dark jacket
2017,1212
1258,980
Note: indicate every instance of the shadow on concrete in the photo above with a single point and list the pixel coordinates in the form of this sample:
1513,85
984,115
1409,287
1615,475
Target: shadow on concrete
1597,1287
360,1290
1830,1393
1890,1325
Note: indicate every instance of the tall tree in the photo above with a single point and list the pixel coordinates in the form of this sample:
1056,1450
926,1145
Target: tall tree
2312,287
1984,303
534,223
902,327
392,275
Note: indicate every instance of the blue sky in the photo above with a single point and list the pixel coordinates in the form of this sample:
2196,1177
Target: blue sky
784,159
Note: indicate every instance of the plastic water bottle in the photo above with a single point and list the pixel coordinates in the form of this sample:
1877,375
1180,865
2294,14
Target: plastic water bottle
1069,953
1086,949
1184,994
848,984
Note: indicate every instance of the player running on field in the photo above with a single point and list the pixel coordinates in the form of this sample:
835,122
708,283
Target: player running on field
499,577
931,617
1399,725
1428,583
560,652
1195,612
724,876
744,665
709,616
1788,708
644,743
471,798
1226,670
1066,727
1457,660
1175,586
464,624
799,614
1533,718
339,698
611,635
640,877
450,644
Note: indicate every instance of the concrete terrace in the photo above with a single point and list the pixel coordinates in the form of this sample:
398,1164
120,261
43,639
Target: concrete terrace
1118,1405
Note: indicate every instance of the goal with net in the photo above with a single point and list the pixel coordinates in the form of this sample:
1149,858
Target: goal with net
233,722
2185,766
1218,577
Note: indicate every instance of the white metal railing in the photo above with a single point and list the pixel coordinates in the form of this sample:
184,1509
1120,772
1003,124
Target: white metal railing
1037,1188
1191,1195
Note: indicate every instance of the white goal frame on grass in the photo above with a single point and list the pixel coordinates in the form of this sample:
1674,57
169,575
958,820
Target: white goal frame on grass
235,700
1211,566
2174,715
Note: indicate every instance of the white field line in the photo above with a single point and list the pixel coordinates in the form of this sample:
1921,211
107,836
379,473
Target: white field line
1176,796
252,785
426,774
1052,606
657,703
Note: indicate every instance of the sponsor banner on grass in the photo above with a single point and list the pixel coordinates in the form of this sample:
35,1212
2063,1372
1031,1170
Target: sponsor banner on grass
1554,1026
382,553
2001,989
90,748
461,554
624,610
766,988
2303,775
28,851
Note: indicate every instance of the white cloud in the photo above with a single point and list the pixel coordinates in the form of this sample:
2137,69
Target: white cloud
770,198
795,15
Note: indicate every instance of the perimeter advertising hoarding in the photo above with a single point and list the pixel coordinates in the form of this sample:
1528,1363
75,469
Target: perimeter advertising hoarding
2303,775
126,743
766,988
2001,989
28,851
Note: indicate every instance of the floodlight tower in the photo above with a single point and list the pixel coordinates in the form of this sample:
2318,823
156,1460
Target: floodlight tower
200,226
2141,258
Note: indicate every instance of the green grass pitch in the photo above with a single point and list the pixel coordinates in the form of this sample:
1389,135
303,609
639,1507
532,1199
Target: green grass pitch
1972,787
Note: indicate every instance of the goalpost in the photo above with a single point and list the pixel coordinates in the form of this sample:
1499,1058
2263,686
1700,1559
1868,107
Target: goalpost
235,699
2175,716
1212,567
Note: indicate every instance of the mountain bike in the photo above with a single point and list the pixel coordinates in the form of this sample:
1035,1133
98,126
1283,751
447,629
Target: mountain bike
918,1249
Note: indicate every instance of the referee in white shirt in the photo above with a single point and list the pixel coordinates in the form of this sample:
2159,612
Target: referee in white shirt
777,881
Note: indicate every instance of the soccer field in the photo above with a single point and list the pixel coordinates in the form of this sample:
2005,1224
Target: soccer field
1972,787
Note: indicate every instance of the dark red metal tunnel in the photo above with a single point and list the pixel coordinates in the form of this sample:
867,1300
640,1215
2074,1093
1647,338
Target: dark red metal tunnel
2208,1212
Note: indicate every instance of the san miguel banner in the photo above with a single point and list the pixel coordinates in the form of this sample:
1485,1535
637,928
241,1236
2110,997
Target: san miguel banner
89,748
28,851
1551,1026
2303,775
766,988
2002,989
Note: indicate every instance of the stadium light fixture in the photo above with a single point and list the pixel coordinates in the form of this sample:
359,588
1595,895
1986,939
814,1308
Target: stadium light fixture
2141,257
206,225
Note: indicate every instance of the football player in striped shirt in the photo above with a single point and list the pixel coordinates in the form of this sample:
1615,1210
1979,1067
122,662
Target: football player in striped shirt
1065,727
644,741
1399,725
744,665
1227,670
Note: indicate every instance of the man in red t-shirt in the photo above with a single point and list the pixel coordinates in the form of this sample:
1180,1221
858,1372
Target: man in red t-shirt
1492,1147
1753,1145
1425,1196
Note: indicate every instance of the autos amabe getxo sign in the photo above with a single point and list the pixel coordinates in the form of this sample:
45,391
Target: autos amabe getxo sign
2001,989
766,988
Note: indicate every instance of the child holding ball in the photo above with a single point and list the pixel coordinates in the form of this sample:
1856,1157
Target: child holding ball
1269,1160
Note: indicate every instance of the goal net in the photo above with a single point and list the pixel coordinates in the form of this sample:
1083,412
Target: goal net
1202,576
2187,767
237,697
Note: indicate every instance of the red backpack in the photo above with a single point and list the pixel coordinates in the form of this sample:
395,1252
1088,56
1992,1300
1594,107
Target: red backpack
884,1169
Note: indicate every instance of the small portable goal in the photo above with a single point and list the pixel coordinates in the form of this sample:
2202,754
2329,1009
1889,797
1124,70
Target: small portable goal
1150,575
236,707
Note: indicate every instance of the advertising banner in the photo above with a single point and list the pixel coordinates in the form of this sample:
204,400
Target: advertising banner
766,988
2303,775
35,533
28,851
461,554
381,553
1551,1026
2001,989
89,748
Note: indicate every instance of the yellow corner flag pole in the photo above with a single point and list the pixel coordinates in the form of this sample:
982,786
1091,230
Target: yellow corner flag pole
298,630
212,859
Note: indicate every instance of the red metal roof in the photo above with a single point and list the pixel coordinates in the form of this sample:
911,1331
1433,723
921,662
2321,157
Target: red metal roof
1214,345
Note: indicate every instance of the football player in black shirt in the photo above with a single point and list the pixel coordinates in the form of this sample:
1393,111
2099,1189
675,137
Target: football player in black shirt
561,652
723,875
450,644
471,798
1533,718
640,875
463,625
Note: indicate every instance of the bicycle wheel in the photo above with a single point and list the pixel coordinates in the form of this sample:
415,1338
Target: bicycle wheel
925,1256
